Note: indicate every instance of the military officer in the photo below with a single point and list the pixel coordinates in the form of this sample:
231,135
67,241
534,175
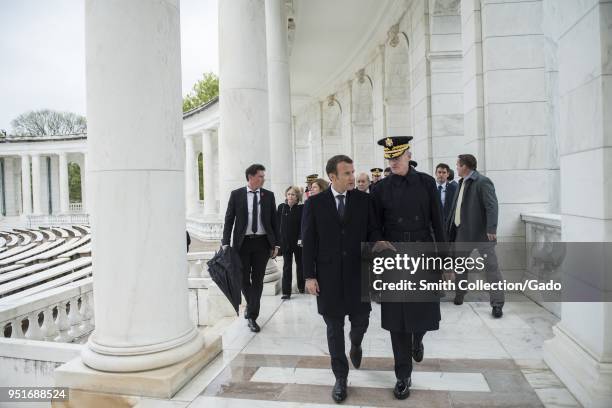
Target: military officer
408,211
376,173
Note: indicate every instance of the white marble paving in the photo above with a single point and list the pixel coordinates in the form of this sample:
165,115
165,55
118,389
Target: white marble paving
217,402
421,380
557,398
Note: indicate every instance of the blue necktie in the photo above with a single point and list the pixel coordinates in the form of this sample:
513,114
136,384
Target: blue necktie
255,212
340,198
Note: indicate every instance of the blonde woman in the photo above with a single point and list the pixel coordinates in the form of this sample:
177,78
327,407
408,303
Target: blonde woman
290,219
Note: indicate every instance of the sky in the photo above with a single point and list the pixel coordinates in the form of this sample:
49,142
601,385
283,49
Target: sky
42,53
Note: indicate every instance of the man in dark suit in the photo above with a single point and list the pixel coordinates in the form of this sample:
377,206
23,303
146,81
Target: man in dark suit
472,225
335,224
446,190
251,212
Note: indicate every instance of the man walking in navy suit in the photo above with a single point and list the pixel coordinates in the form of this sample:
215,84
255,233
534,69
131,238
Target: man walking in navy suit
446,190
335,224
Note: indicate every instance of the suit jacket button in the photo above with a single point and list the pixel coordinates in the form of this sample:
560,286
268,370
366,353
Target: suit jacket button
344,253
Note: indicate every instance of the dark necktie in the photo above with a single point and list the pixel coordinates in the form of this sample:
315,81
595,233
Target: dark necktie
440,194
340,198
255,212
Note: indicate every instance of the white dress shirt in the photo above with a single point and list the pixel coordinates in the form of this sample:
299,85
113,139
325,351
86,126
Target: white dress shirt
443,195
260,228
336,194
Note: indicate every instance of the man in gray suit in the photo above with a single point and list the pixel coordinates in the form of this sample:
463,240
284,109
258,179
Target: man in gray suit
472,225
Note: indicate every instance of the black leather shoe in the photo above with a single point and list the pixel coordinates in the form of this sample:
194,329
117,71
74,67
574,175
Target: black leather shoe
497,312
339,390
418,352
254,326
402,388
458,299
286,297
355,354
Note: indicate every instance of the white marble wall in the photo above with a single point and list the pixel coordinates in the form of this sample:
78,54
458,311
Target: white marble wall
445,56
581,351
331,133
363,126
515,107
308,158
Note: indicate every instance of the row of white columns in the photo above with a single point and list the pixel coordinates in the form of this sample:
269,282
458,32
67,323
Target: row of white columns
31,191
208,141
254,100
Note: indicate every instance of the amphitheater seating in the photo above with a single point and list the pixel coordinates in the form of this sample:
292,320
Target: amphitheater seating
33,260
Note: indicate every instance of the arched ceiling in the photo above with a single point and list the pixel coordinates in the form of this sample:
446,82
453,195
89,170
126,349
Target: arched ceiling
328,35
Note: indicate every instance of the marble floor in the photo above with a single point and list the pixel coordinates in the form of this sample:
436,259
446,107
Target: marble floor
472,361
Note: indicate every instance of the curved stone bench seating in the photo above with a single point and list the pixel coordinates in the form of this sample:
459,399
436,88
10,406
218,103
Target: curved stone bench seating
2,243
25,236
12,239
28,270
68,245
10,268
16,250
72,231
81,228
36,279
80,251
60,232
47,235
38,236
25,239
54,283
45,246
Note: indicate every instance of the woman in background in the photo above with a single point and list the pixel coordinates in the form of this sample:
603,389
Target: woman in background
317,186
290,219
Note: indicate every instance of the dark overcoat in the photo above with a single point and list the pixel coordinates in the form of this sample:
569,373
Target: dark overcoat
331,250
408,209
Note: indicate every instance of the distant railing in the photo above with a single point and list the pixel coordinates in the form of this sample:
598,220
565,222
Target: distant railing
75,207
52,220
61,314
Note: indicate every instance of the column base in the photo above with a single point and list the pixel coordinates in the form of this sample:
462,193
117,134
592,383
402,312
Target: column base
588,379
93,386
130,359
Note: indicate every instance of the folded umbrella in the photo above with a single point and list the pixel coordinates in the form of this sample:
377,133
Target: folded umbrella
225,269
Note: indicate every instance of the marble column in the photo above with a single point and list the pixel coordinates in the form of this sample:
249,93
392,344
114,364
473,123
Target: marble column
473,98
36,185
208,148
84,182
580,353
281,154
243,92
63,183
26,186
135,169
191,175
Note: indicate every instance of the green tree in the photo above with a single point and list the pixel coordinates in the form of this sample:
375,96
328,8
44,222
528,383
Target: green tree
74,183
203,91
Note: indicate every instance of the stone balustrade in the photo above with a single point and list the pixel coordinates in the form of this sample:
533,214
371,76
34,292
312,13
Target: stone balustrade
35,221
542,231
62,314
75,208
